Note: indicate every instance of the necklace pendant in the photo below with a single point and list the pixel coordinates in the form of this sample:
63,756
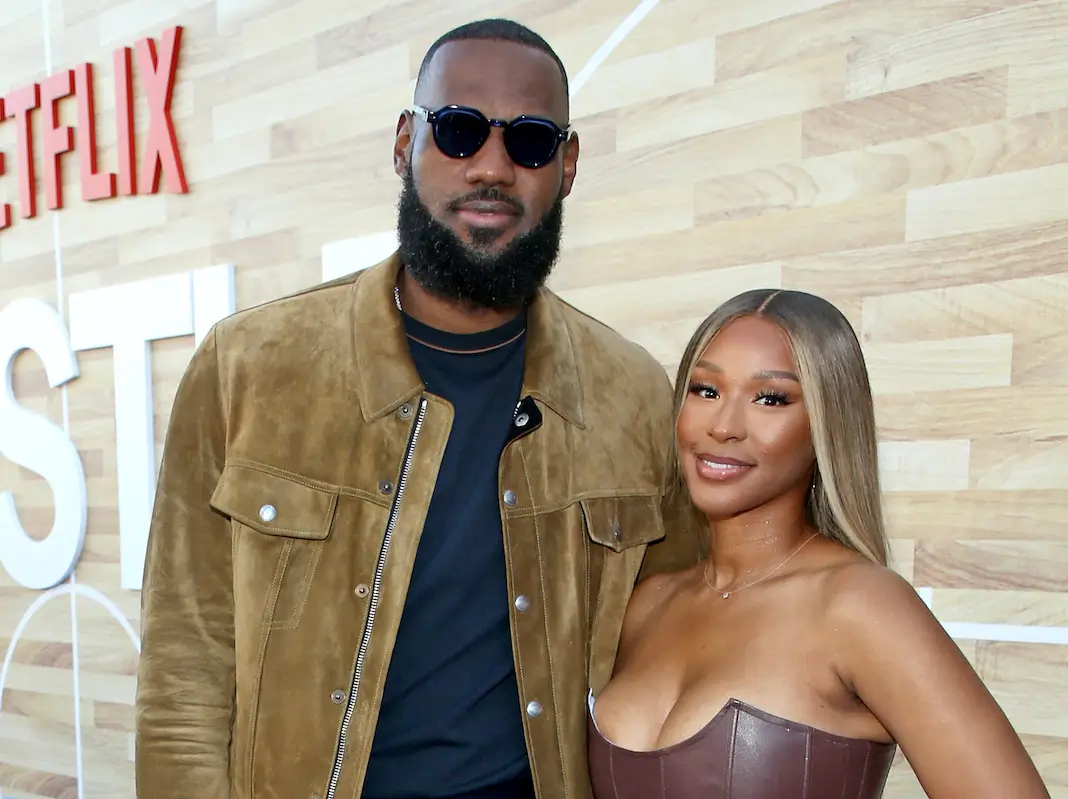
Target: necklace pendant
727,594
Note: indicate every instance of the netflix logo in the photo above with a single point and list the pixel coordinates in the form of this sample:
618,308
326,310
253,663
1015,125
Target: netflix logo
160,157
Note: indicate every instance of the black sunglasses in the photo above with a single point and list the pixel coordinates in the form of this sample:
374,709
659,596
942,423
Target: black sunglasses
459,132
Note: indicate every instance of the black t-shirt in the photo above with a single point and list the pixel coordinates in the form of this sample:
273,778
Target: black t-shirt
451,720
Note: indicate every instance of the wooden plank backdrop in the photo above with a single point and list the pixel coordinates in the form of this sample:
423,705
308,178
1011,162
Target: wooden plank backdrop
907,159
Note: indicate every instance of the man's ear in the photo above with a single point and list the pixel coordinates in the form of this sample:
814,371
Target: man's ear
402,143
571,154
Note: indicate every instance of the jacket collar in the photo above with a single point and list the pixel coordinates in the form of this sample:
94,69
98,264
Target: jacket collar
387,377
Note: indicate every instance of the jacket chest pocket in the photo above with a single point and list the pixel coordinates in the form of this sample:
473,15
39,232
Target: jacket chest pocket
623,522
281,522
622,526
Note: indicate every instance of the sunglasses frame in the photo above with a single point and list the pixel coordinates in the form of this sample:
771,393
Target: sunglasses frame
561,135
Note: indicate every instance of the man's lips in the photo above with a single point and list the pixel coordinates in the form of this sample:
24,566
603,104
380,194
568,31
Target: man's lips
488,207
487,213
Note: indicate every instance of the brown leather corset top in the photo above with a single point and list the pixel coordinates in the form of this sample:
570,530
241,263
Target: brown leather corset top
743,753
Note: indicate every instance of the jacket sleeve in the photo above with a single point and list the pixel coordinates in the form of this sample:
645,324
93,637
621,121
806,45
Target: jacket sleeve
185,688
685,541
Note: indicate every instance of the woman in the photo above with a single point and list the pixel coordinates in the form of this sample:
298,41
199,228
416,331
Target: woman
793,662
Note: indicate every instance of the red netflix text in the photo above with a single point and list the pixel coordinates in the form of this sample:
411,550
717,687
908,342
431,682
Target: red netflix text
160,158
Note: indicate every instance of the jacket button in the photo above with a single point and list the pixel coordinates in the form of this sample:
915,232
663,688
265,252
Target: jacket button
615,531
533,709
522,603
268,513
337,697
385,486
362,590
521,420
405,411
509,498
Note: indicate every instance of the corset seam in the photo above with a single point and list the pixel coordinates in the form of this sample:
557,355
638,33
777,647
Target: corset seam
612,771
730,755
864,772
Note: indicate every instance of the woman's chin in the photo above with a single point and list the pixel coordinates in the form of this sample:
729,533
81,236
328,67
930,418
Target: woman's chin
719,511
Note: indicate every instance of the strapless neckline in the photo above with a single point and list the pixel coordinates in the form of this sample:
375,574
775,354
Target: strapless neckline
731,704
743,752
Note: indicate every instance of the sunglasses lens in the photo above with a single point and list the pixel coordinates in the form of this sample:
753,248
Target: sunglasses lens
531,144
459,134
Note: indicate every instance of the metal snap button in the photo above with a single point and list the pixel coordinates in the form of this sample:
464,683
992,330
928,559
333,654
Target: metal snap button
533,709
268,513
405,411
522,603
385,486
362,590
522,419
337,697
509,498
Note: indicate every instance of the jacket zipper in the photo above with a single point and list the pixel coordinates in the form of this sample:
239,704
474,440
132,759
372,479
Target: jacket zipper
376,587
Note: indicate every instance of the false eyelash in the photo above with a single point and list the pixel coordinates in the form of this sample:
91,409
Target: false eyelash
775,395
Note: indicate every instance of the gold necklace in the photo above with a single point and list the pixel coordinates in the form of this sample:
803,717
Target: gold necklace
397,300
762,579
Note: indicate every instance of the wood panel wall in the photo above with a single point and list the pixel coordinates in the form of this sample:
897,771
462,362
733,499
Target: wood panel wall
907,159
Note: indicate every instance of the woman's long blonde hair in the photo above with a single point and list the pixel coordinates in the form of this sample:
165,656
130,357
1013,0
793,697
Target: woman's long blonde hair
844,502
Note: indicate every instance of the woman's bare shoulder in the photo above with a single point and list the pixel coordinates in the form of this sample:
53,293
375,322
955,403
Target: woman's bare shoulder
853,581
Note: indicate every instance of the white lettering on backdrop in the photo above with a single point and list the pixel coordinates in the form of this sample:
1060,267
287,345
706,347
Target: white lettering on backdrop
35,443
126,318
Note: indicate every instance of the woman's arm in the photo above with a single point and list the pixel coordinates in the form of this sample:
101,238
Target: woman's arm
897,658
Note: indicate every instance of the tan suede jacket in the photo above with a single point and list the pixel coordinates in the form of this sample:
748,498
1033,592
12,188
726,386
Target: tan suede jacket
299,464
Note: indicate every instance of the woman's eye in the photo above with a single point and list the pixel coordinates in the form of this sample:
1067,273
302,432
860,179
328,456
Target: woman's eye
703,391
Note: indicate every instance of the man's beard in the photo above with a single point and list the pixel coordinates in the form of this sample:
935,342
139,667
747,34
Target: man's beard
475,275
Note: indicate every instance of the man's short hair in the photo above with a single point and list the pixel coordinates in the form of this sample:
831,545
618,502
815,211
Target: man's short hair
501,30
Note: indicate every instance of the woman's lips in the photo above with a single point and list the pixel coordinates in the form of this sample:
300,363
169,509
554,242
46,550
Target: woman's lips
720,468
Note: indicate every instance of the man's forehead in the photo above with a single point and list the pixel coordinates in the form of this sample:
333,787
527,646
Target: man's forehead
507,75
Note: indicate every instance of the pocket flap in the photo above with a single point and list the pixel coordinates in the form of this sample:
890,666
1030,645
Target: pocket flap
273,503
624,521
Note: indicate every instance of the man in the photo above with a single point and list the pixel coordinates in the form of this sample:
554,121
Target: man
399,515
